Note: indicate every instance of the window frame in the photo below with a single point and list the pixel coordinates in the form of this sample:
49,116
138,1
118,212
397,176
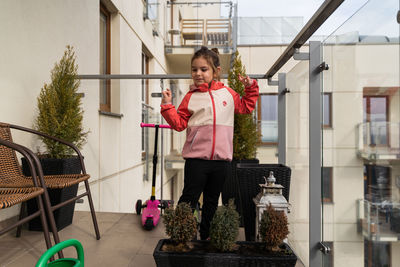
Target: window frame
107,14
368,178
368,97
145,96
329,199
146,12
145,60
369,258
330,111
259,116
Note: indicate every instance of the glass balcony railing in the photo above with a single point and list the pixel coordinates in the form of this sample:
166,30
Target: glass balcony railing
379,140
360,150
379,221
269,131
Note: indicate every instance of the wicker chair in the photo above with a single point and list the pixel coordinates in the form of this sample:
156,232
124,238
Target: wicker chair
11,195
52,181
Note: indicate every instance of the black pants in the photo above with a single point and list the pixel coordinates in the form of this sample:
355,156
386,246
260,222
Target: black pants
207,176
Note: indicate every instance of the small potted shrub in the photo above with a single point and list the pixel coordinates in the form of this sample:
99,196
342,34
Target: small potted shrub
224,228
180,226
273,228
59,115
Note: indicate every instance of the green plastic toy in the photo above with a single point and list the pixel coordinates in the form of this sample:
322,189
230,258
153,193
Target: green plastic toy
65,262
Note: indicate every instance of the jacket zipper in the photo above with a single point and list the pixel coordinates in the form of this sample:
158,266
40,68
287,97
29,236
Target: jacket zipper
214,122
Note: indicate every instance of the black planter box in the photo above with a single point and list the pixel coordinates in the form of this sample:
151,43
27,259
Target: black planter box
231,186
213,259
249,177
64,215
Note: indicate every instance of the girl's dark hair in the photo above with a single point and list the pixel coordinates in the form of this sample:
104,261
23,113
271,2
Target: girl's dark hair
211,56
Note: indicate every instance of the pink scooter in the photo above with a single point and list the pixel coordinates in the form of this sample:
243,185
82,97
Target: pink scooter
151,211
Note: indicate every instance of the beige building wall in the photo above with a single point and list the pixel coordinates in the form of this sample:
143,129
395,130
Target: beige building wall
34,37
31,45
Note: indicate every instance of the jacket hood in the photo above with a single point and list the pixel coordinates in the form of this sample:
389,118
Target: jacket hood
204,86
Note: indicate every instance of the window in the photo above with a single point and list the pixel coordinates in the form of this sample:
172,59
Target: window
174,90
377,254
145,82
151,11
375,112
268,116
377,183
105,58
146,113
145,98
327,187
327,109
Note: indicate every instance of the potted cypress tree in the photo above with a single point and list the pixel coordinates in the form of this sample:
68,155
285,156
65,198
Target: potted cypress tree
59,108
245,137
224,227
245,133
60,115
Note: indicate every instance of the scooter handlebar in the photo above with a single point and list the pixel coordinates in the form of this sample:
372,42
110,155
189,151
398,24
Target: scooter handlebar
154,125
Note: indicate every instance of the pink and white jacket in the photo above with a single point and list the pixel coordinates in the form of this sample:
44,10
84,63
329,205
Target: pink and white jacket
208,114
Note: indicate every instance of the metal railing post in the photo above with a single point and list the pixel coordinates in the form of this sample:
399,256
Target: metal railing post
162,151
315,147
282,90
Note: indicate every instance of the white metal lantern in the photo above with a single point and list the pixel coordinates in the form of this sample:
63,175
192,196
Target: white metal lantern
271,193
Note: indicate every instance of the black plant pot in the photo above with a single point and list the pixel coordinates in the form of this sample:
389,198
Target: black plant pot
231,185
249,178
200,257
64,215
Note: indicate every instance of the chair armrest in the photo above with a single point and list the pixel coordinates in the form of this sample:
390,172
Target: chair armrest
30,158
17,127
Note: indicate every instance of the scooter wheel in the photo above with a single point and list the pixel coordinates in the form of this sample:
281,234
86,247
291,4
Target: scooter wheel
139,207
149,224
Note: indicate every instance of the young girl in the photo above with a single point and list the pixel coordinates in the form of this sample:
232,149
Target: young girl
207,112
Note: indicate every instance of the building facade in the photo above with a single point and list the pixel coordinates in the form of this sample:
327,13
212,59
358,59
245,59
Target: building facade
360,124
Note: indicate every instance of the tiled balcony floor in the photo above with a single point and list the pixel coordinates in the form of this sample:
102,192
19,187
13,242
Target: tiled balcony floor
123,242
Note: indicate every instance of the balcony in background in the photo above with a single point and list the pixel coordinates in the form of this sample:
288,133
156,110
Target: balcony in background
379,221
192,25
379,141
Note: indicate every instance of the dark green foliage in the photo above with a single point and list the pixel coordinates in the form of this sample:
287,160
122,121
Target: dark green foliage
245,135
59,108
224,227
180,223
273,228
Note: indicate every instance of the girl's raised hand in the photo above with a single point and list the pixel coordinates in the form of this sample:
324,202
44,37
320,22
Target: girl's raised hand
245,80
166,97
